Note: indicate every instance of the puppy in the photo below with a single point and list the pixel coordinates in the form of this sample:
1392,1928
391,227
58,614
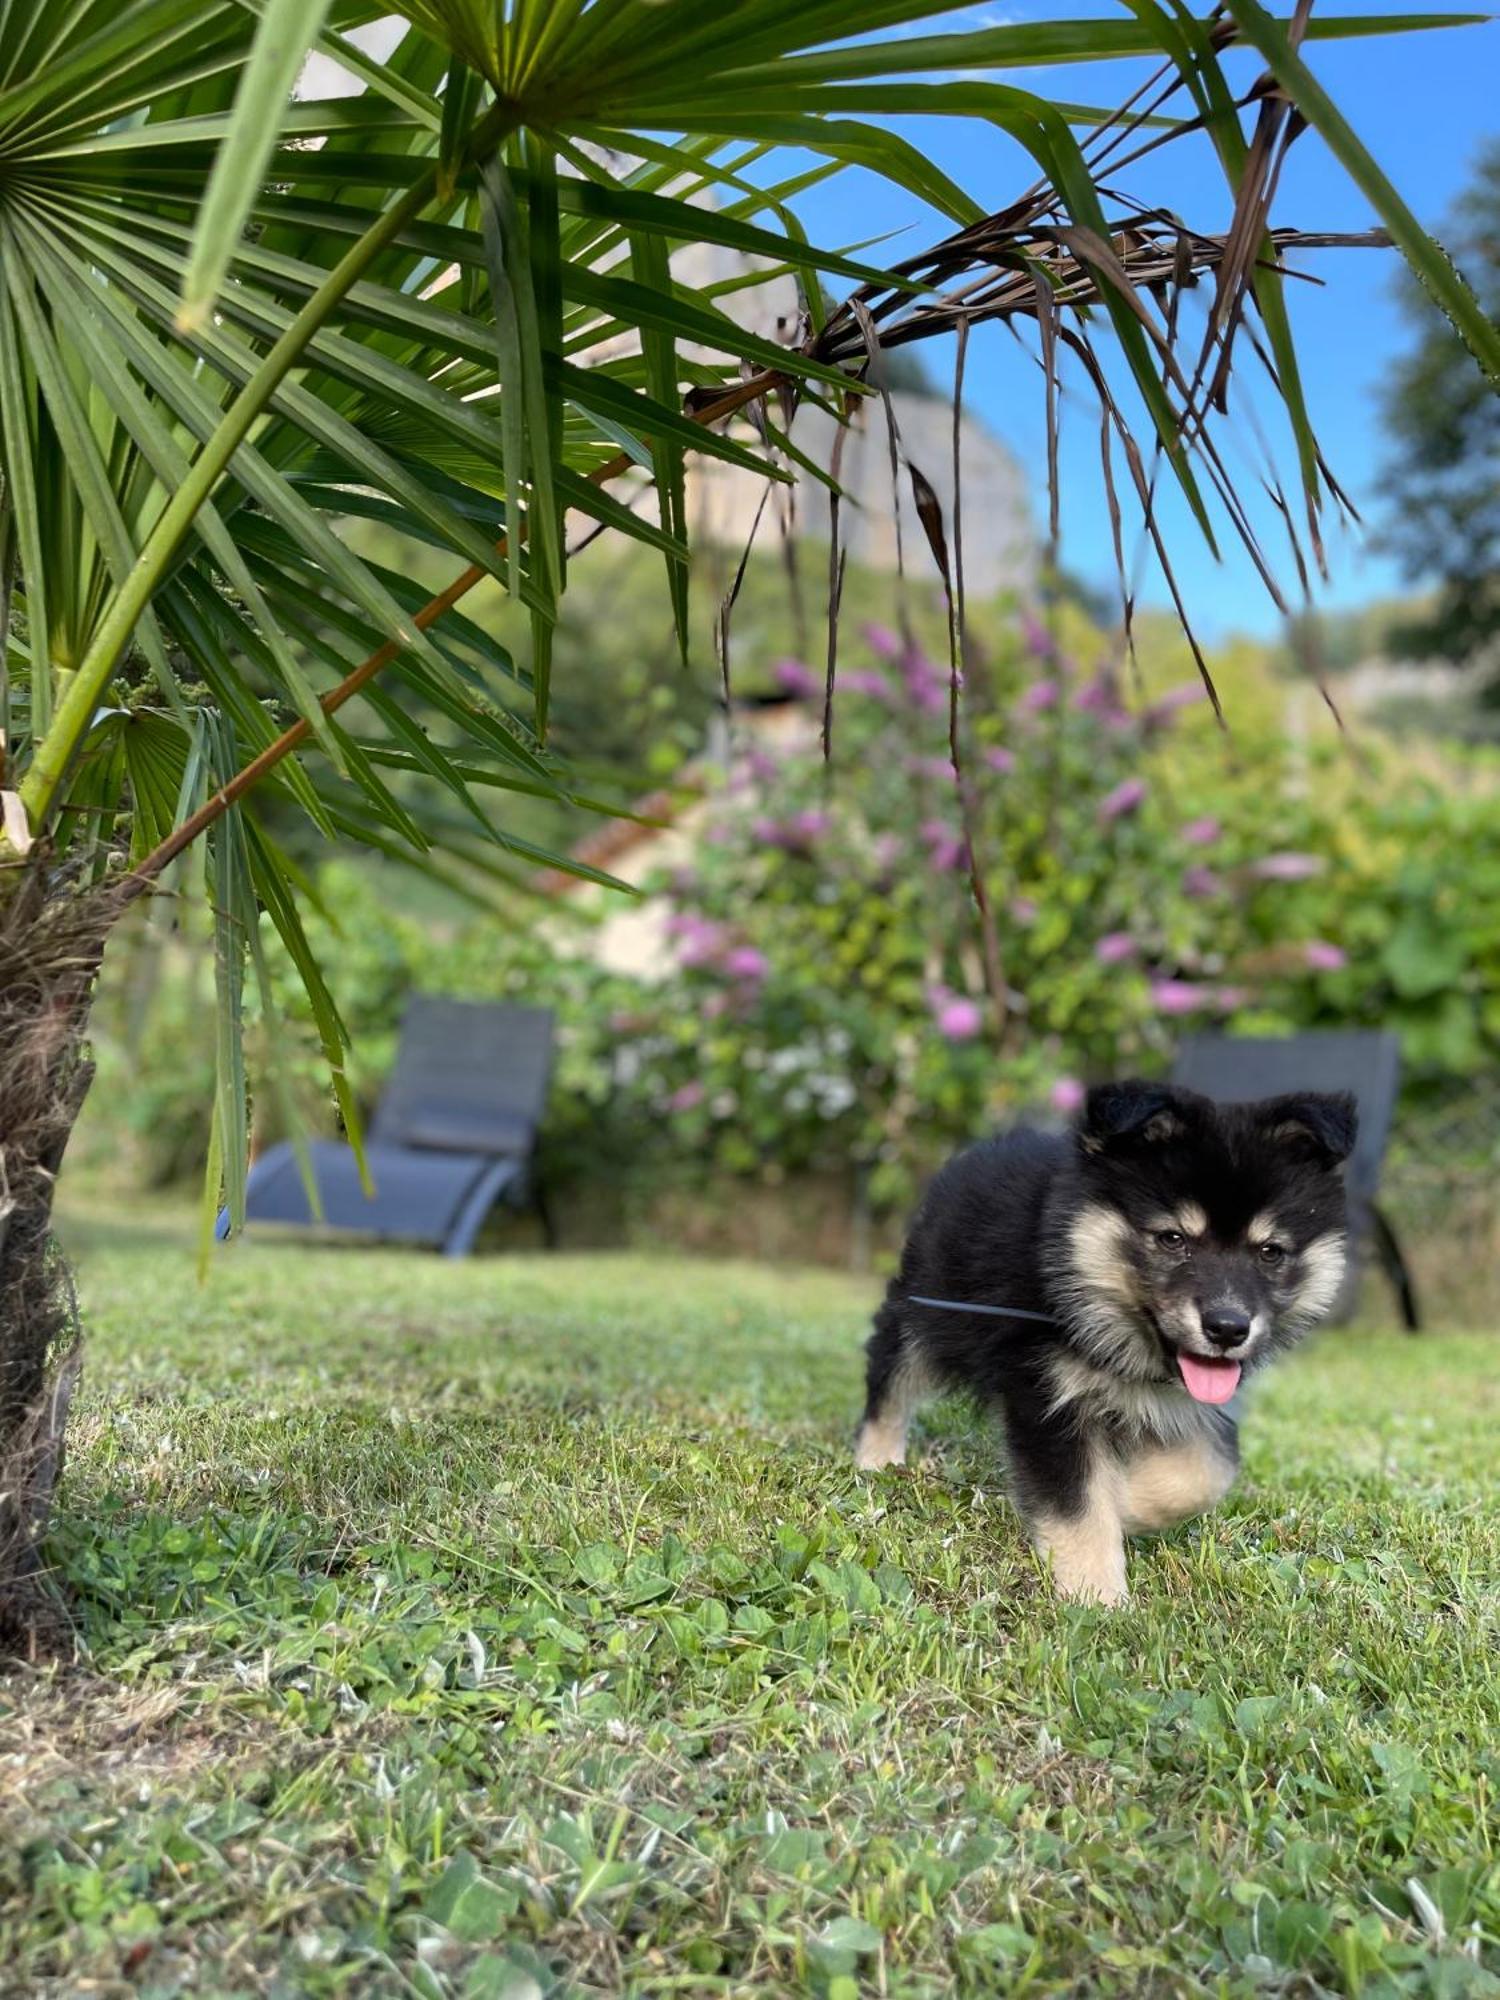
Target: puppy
1136,1270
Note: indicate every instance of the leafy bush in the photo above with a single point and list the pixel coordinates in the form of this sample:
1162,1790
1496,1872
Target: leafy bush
829,1000
825,1005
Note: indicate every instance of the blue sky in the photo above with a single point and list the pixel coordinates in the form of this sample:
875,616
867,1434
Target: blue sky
1423,103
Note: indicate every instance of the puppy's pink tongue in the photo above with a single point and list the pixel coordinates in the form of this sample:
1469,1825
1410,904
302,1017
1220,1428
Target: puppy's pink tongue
1209,1381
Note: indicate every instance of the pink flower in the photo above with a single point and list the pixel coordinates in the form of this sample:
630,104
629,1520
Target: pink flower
745,962
762,766
1100,697
1094,694
1286,867
1173,701
799,831
1225,999
1324,957
687,1097
694,955
715,1005
883,642
796,679
1038,639
1041,695
1067,1095
926,687
933,767
945,848
958,1020
1023,910
1123,799
1000,760
865,680
701,939
1201,832
1115,947
1178,996
1201,882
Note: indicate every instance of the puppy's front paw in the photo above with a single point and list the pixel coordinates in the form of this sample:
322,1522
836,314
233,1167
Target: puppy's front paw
879,1445
1087,1559
1091,1589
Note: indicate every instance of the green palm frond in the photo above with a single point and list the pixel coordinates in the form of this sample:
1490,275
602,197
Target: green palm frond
235,326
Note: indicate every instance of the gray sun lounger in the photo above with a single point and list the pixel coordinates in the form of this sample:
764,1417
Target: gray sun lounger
1366,1062
455,1133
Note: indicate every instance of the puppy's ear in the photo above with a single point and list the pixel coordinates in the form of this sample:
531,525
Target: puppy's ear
1317,1124
1136,1114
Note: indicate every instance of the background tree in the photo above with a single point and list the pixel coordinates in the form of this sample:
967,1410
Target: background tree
1443,480
232,322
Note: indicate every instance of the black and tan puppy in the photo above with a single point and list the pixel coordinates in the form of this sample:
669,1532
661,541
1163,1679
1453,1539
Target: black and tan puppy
1136,1269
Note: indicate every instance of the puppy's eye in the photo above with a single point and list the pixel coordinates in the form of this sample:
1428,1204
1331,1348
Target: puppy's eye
1272,1253
1170,1239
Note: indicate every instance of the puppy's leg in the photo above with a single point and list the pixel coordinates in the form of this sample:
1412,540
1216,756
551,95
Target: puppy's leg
1067,1486
894,1385
1086,1548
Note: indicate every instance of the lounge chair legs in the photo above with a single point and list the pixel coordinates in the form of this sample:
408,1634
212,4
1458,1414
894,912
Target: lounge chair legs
482,1198
544,1214
1393,1263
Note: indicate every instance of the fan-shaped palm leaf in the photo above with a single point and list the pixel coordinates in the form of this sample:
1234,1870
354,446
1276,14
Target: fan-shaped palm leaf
447,302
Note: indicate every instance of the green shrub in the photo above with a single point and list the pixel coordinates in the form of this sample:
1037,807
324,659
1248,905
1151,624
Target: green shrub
826,1007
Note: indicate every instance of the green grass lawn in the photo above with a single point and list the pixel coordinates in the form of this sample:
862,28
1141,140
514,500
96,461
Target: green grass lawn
519,1627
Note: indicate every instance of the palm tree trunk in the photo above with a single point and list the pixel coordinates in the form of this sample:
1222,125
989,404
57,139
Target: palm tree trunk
51,939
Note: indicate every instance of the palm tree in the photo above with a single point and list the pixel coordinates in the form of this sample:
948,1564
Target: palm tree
234,320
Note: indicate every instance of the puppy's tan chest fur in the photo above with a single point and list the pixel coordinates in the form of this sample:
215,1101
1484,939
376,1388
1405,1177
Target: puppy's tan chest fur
1155,1487
1163,1484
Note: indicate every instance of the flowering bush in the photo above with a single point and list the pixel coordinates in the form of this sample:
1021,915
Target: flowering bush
825,1004
1150,877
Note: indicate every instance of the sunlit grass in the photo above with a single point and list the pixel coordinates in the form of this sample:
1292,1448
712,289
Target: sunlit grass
495,1627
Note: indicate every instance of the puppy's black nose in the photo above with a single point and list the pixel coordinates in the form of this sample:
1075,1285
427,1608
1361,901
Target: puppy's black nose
1226,1326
